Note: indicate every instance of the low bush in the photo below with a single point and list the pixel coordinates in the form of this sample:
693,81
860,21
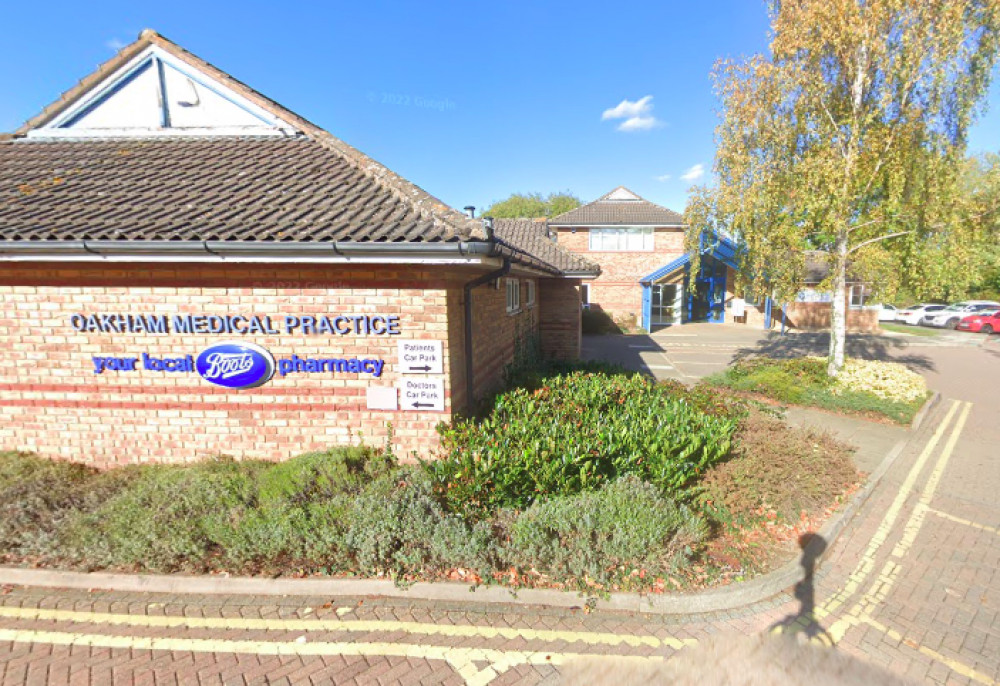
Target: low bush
169,518
253,516
887,380
777,470
580,431
38,496
887,389
605,536
398,528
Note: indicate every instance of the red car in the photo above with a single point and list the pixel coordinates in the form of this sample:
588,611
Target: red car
983,322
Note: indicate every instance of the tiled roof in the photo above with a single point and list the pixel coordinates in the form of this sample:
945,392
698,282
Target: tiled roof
532,237
309,188
620,207
228,189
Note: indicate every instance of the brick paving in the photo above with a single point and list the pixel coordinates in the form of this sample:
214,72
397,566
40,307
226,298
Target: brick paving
912,586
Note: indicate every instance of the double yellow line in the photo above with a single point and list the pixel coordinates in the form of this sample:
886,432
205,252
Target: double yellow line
878,588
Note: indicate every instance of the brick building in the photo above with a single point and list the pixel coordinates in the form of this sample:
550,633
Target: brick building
646,277
189,269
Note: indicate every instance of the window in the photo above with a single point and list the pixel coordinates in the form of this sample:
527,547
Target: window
857,295
513,296
626,238
529,298
585,295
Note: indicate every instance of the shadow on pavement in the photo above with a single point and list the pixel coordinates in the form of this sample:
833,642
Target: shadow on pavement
804,621
864,346
626,351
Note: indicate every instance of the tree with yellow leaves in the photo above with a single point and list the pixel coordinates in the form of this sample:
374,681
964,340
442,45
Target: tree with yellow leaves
849,138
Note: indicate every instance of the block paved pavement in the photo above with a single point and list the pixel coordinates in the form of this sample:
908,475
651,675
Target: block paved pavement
911,585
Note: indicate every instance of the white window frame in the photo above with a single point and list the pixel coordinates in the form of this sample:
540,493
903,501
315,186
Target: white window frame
513,290
860,289
529,296
617,239
585,296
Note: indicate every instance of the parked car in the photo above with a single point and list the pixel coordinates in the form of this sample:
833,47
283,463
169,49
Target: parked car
984,322
914,313
950,316
887,313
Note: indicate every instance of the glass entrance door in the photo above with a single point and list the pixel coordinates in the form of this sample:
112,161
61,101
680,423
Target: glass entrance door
665,304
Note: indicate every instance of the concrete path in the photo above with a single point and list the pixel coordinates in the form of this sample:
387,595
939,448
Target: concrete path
911,587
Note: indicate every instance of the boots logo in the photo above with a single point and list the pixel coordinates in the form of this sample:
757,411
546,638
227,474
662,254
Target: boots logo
235,365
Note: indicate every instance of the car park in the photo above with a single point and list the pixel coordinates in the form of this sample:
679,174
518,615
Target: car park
951,316
982,322
914,313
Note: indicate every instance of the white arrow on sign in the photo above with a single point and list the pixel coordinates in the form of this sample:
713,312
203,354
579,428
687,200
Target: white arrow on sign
420,357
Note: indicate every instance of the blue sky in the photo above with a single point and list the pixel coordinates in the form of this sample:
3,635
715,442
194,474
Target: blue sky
470,100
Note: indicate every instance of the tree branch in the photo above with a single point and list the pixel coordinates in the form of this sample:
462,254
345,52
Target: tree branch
876,240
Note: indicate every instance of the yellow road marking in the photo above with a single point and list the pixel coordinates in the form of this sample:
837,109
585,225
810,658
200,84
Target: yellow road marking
879,589
355,626
956,666
867,561
966,522
462,659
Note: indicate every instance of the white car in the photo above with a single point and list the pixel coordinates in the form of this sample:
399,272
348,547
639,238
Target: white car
914,313
950,316
886,313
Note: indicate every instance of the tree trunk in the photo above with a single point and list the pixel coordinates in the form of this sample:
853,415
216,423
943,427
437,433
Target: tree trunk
838,312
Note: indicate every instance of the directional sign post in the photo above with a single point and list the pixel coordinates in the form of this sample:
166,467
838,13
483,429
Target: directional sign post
420,357
421,395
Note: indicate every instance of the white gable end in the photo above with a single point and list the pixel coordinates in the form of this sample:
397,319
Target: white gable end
157,94
621,193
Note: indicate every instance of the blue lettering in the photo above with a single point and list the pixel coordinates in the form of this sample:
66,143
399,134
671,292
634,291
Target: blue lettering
393,325
291,323
183,324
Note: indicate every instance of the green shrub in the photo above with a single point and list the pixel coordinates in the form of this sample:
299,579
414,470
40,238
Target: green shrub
38,495
886,389
397,527
784,380
320,475
602,536
580,431
169,518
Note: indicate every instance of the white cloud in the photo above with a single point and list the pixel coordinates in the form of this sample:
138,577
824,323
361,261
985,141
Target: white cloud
637,115
694,173
115,44
663,177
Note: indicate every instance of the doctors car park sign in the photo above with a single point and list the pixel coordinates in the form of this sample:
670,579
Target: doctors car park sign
241,364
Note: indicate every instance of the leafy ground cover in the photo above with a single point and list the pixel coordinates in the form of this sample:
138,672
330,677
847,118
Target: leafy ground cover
583,478
876,389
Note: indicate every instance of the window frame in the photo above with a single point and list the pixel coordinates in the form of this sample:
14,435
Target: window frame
512,288
585,296
599,238
529,295
850,296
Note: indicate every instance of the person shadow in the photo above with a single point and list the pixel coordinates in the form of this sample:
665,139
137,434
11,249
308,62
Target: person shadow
804,621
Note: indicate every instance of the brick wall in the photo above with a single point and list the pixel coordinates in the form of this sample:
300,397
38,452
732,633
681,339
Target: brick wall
52,402
560,318
496,335
617,290
812,316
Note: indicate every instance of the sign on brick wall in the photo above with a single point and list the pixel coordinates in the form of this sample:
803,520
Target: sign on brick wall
420,357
